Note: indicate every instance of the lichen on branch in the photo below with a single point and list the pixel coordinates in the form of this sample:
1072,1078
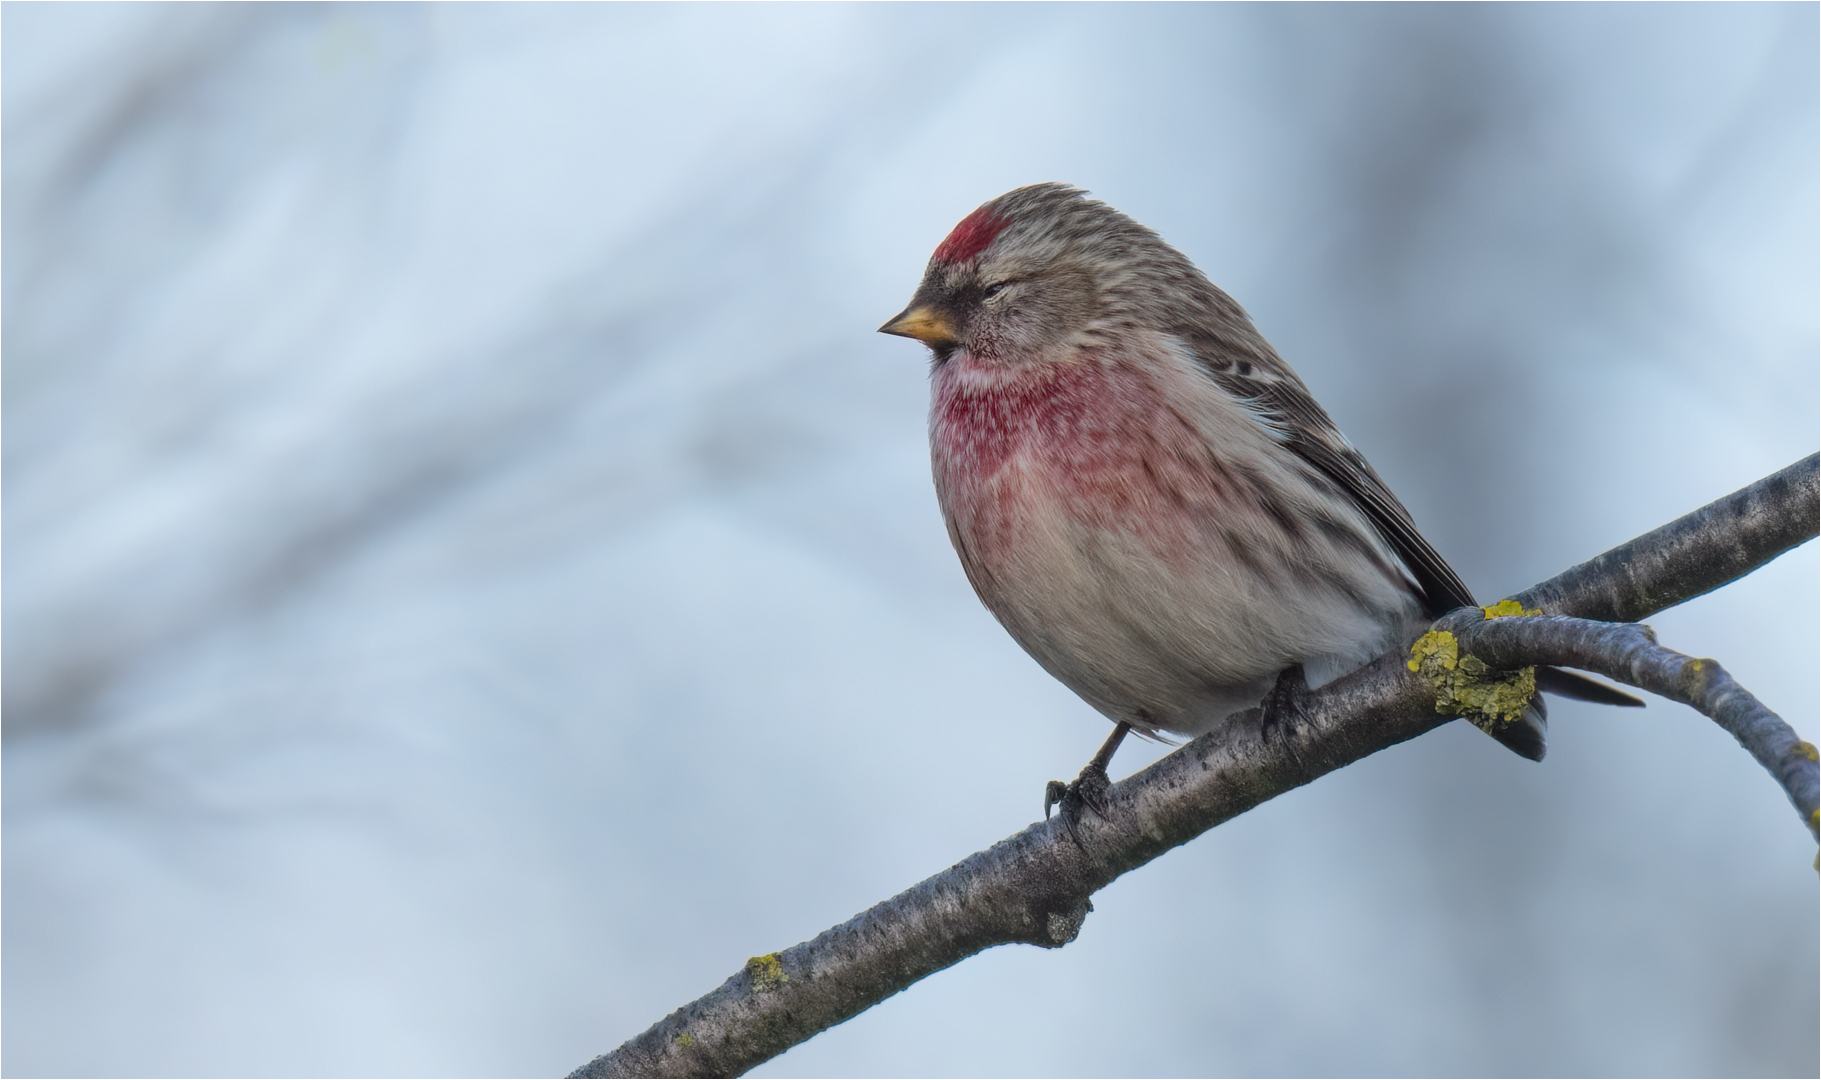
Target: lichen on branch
1468,687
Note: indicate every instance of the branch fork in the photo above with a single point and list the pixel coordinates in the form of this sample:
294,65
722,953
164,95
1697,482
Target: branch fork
1629,653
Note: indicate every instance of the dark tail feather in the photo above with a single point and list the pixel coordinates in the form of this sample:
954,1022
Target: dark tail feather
1529,736
1579,687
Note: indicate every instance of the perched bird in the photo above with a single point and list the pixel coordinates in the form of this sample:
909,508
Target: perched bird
1141,490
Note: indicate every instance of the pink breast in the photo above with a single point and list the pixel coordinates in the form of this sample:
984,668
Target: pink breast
1101,445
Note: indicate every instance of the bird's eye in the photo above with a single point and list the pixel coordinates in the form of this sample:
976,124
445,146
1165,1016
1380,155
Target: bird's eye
994,289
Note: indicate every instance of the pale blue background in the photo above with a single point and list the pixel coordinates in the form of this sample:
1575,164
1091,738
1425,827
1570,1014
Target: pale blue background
472,577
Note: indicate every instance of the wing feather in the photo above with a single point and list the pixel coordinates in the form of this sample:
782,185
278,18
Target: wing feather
1285,406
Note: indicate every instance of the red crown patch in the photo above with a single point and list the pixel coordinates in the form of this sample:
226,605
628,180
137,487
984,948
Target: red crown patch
971,237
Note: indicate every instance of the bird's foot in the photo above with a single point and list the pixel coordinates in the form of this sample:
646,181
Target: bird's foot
1279,707
1089,789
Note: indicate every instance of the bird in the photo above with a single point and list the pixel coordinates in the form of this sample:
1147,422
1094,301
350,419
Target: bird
1145,494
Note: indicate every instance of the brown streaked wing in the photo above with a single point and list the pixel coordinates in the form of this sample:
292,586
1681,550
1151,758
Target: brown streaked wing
1290,410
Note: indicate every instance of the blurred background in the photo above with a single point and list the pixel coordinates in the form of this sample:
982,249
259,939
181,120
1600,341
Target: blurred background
472,576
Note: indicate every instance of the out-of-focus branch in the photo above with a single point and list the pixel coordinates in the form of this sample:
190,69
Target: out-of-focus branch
1034,886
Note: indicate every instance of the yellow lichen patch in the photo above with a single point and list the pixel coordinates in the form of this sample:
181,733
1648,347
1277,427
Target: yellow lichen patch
1466,687
1437,648
1697,677
1508,607
1807,750
686,1039
766,972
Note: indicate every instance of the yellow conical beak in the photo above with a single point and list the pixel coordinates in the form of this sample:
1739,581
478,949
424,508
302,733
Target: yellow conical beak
924,323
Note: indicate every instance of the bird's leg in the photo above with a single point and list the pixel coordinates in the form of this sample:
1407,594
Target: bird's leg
1279,705
1090,788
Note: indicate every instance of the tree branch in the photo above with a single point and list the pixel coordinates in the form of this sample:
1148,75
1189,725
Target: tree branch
1034,886
1629,653
1694,554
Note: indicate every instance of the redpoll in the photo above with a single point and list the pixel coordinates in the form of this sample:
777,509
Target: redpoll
1142,491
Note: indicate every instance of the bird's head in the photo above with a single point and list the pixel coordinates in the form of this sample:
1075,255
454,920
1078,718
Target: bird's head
1041,271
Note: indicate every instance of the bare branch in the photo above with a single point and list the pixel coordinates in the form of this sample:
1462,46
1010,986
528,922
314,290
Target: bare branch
1694,554
1034,887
